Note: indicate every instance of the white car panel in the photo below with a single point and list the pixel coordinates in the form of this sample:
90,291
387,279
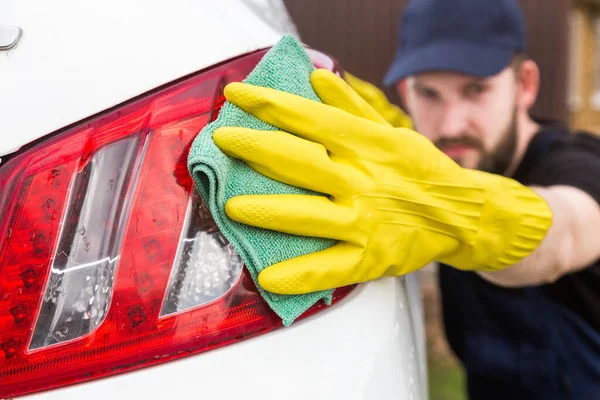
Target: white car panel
360,348
77,58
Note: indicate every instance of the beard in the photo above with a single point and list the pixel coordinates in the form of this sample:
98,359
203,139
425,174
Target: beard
498,159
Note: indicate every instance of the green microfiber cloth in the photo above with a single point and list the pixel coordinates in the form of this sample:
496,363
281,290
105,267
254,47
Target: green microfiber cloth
287,67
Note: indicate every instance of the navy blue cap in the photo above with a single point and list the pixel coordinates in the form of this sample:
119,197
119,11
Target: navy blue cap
473,37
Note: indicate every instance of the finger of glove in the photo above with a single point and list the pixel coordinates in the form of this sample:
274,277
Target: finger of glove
334,91
377,99
296,214
361,87
340,132
283,157
331,268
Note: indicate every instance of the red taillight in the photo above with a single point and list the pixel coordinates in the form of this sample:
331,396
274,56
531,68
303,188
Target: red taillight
109,262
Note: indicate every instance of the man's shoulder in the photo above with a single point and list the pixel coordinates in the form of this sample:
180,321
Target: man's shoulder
577,140
558,157
557,141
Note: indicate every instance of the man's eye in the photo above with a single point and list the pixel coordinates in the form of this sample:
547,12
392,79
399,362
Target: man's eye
475,89
428,93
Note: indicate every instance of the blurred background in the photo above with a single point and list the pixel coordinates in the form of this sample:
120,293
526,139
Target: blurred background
563,38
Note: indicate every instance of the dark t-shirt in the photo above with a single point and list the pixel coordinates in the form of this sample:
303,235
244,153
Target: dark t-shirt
555,157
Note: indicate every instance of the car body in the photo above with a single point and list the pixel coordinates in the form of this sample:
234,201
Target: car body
77,59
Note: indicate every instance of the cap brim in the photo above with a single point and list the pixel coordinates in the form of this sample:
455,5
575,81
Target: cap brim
450,56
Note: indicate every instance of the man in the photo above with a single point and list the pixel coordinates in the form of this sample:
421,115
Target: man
509,205
468,86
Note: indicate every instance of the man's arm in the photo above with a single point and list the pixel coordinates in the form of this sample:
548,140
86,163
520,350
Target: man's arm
572,243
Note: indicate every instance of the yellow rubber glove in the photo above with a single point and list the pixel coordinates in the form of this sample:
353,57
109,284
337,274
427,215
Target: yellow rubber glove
379,101
395,202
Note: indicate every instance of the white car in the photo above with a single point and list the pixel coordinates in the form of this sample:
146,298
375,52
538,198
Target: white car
114,281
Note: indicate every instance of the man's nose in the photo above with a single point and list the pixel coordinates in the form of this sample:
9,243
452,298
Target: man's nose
454,122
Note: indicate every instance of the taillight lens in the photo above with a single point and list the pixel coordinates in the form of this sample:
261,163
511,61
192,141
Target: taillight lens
109,260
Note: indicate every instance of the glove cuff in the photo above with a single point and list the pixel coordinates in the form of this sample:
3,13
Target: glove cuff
512,222
517,221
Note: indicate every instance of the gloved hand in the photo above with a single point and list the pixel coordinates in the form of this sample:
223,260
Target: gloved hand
378,100
395,202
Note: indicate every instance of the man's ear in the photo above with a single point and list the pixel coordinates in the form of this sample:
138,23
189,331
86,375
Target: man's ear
529,84
402,88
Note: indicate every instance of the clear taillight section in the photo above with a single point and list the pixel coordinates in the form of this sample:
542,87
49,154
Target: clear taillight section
206,266
109,260
90,239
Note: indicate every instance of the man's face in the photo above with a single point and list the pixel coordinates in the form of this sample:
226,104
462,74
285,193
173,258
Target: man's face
471,119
